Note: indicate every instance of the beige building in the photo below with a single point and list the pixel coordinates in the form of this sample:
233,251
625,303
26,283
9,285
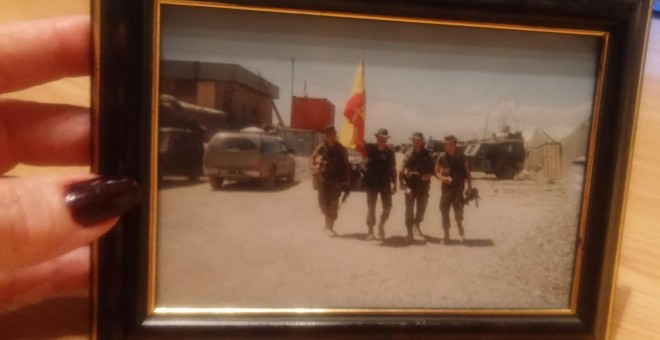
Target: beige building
245,97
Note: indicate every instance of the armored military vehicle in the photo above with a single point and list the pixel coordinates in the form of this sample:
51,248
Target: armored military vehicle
503,155
180,140
436,147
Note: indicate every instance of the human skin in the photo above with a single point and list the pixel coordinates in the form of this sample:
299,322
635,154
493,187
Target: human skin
46,225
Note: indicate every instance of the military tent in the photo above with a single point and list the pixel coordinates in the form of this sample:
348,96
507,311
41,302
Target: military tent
544,155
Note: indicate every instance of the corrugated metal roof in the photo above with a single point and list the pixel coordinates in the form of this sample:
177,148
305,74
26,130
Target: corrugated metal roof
196,70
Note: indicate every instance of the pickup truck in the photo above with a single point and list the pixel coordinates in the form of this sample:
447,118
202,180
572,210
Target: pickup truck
241,156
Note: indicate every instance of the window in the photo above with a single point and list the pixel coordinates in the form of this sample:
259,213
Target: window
239,144
270,147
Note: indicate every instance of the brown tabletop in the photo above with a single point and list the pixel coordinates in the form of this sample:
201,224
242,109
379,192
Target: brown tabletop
637,301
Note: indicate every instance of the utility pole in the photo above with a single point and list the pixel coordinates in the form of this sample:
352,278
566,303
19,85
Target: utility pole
292,82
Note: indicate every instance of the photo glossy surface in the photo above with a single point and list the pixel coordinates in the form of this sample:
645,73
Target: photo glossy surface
240,244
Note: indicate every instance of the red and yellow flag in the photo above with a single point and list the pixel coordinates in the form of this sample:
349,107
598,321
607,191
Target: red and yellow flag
356,106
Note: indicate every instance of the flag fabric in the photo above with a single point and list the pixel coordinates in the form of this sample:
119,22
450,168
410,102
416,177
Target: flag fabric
356,106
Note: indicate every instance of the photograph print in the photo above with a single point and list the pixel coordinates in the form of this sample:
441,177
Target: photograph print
335,163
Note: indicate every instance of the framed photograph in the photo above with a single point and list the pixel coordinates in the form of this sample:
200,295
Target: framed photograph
365,169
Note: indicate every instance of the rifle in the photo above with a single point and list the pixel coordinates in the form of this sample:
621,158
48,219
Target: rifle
472,195
346,189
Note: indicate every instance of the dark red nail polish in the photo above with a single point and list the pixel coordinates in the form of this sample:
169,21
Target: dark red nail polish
100,199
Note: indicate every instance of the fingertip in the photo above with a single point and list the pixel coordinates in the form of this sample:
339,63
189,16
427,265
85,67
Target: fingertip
73,50
99,199
39,51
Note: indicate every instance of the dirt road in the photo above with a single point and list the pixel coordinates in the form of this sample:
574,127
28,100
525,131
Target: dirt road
243,247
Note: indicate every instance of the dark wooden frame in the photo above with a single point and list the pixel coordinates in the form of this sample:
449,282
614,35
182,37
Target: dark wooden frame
122,100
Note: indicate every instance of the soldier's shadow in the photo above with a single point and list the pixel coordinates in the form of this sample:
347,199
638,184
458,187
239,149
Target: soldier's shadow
400,242
354,236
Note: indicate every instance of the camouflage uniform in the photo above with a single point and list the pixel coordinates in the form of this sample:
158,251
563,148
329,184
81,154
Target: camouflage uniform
334,175
416,165
378,180
452,194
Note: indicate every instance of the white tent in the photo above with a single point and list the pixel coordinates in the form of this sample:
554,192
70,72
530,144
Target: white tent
544,155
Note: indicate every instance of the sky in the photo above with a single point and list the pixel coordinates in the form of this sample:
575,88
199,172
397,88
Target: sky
435,79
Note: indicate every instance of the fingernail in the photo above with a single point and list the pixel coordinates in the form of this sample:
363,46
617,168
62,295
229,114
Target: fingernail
100,199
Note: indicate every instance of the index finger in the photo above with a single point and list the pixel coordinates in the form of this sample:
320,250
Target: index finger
37,52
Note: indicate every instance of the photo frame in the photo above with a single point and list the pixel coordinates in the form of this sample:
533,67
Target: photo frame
146,51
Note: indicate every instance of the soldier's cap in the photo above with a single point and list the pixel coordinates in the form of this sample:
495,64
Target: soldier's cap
450,139
329,129
418,135
382,133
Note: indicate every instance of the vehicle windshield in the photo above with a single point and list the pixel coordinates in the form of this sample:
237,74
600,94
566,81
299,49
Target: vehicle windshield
239,144
270,147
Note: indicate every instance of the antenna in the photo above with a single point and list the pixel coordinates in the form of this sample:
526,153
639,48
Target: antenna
486,126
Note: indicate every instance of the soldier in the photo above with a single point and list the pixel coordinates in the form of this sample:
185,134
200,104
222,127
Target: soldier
453,170
334,172
415,179
379,178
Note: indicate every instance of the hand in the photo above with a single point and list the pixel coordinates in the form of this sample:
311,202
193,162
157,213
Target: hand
446,180
426,178
355,120
46,223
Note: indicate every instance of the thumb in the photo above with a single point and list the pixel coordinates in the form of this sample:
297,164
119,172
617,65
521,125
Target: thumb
67,275
43,218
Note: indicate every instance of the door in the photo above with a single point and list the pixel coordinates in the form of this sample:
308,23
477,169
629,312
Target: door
286,163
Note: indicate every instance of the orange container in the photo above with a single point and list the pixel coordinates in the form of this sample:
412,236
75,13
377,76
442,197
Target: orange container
312,113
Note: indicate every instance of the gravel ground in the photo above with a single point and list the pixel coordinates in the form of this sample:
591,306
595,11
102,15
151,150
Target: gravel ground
243,247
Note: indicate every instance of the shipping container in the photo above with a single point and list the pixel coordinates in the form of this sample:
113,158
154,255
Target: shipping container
312,113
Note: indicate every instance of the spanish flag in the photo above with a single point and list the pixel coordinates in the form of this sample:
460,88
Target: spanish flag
356,105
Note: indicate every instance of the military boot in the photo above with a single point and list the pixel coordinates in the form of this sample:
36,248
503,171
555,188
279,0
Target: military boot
329,228
381,230
446,239
461,231
410,236
370,233
417,230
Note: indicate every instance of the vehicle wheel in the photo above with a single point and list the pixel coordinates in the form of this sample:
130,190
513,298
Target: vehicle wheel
216,182
195,173
486,165
269,182
291,177
506,172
